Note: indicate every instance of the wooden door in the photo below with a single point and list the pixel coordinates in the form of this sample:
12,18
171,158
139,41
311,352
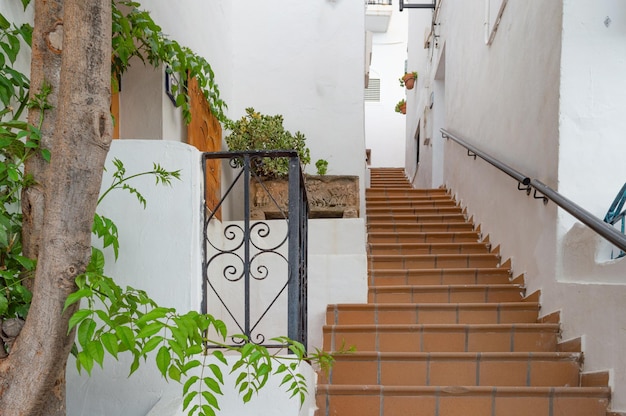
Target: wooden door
205,133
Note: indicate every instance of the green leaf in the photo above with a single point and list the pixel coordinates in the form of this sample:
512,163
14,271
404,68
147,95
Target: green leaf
85,331
86,361
4,23
190,382
96,351
77,296
4,304
188,398
125,335
211,399
213,385
151,344
163,360
150,329
194,349
110,343
247,396
217,372
220,356
174,373
207,410
191,364
78,317
156,313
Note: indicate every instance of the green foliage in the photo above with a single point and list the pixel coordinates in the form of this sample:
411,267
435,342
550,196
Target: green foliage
401,104
117,320
322,166
135,34
14,85
256,131
18,141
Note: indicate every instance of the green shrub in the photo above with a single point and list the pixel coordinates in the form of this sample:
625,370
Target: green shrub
256,131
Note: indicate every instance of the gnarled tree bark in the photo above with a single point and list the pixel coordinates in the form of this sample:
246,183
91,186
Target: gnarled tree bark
78,134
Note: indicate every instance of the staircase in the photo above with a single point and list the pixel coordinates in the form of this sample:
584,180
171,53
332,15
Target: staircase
446,331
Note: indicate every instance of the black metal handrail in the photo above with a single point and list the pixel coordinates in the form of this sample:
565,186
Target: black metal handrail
250,257
603,229
472,151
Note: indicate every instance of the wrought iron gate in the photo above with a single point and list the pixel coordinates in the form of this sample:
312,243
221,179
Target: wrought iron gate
242,254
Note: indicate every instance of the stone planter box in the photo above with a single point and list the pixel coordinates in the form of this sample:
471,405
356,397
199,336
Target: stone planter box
330,196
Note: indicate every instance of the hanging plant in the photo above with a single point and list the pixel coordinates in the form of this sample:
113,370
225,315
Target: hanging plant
401,106
408,80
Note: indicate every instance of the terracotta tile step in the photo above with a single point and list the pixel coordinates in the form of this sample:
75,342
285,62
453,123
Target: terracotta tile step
374,400
443,276
377,200
456,369
419,218
385,205
409,212
389,182
423,227
443,337
404,192
433,261
432,313
427,248
423,237
445,294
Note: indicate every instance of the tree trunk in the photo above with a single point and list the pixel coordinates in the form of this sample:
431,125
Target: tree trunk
79,143
45,68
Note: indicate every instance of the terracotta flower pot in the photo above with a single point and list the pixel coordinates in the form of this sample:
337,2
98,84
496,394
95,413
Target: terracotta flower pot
409,81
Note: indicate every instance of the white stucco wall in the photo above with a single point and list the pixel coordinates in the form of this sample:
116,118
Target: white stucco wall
543,98
14,12
160,252
304,60
384,128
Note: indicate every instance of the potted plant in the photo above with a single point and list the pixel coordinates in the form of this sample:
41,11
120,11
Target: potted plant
408,80
401,106
256,131
329,196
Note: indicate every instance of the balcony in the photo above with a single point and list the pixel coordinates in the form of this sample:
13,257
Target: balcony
378,15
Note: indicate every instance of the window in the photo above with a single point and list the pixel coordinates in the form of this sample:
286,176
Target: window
372,92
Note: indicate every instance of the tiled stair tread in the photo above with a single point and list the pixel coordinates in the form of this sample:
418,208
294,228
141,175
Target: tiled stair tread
374,400
456,368
523,327
472,356
592,392
429,313
385,205
445,288
443,337
417,237
434,260
440,275
445,306
408,191
432,226
415,214
407,219
428,248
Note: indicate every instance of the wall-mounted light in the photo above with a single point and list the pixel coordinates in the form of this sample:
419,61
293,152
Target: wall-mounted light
172,84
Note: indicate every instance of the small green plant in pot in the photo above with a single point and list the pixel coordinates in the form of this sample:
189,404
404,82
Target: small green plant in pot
401,106
322,166
256,131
